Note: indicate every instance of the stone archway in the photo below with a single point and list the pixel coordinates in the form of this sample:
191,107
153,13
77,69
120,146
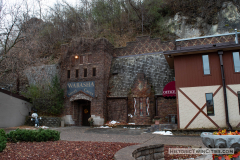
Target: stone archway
80,96
81,108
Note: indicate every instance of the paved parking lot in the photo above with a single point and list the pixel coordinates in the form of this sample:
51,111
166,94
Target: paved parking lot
124,135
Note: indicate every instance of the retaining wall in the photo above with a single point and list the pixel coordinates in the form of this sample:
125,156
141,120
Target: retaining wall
45,121
140,152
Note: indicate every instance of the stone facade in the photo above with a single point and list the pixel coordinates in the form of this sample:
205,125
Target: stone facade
91,54
42,74
140,73
166,108
124,71
141,101
144,44
117,109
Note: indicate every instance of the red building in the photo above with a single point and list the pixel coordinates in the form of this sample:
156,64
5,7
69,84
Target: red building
207,77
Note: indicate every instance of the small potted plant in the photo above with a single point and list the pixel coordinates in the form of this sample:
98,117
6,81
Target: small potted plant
156,120
90,120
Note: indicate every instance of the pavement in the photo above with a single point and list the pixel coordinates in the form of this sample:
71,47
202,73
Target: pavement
125,135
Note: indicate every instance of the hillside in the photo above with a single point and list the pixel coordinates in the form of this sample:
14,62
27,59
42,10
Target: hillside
37,40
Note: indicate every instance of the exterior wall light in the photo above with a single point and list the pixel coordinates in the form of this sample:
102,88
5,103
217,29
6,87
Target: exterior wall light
76,57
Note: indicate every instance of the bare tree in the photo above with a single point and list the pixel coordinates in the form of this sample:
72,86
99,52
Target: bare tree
14,56
11,27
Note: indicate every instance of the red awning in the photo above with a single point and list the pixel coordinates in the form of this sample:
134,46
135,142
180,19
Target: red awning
169,90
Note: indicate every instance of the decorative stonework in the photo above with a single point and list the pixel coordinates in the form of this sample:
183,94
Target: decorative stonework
205,41
80,96
141,151
141,101
144,44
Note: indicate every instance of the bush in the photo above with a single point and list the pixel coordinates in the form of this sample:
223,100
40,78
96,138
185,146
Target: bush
3,140
31,135
47,98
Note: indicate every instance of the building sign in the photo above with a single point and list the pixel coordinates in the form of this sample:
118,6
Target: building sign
86,87
169,90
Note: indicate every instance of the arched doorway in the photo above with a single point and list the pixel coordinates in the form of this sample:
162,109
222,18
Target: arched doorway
81,108
82,112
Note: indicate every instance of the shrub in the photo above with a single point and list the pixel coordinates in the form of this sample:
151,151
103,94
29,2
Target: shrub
31,135
2,133
3,140
46,98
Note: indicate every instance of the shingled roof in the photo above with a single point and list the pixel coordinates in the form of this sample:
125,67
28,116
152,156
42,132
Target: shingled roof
125,69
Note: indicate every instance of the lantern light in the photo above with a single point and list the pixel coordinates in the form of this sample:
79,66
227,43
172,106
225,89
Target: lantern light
76,57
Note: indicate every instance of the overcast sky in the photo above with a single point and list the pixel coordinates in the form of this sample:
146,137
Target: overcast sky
33,5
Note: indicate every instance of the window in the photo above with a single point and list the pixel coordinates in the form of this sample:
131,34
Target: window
141,106
68,74
94,72
210,105
135,106
89,58
76,73
236,61
147,106
206,67
81,59
76,59
85,72
84,59
72,60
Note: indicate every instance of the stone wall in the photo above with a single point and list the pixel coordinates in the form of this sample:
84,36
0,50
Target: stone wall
97,54
124,71
152,152
141,97
42,74
166,107
117,109
140,152
45,121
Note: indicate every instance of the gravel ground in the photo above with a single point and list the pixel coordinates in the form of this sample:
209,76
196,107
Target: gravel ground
60,150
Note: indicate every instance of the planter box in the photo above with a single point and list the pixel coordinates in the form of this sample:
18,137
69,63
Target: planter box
221,141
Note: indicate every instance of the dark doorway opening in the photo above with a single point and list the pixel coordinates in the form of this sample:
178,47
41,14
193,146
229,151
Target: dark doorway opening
86,113
82,112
